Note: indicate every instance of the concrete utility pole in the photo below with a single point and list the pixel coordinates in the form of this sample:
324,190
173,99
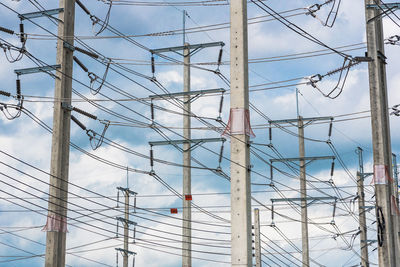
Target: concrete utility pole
57,209
388,232
187,141
303,195
126,222
363,220
303,179
187,179
362,209
187,147
126,231
240,153
257,240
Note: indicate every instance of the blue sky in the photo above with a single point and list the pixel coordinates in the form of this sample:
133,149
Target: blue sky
26,140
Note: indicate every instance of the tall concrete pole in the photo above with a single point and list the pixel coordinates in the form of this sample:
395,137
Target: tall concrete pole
303,195
380,135
363,220
241,252
126,231
257,240
57,208
187,187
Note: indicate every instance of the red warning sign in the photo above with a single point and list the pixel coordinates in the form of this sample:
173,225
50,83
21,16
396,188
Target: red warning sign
174,211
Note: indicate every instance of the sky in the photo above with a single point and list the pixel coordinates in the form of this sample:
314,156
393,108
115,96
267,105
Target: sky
280,61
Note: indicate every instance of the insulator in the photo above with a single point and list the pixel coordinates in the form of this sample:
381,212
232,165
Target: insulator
90,54
117,232
153,68
118,199
21,31
80,64
220,56
84,113
271,173
18,89
80,124
151,158
134,204
272,213
334,210
332,168
134,235
270,133
152,111
6,30
221,152
221,103
330,129
82,6
5,93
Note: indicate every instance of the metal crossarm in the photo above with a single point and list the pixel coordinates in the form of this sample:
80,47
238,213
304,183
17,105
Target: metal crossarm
125,251
304,158
37,69
126,221
38,14
309,120
193,47
295,199
366,174
199,92
385,6
178,142
126,190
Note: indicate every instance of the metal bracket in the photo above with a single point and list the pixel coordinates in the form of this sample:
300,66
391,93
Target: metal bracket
309,120
366,174
363,59
368,241
196,94
310,159
69,46
296,199
126,221
196,142
381,56
37,69
126,190
384,8
66,106
367,208
125,251
38,14
194,47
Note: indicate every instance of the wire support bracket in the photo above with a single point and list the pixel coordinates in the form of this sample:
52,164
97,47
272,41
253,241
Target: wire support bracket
125,251
196,94
384,8
194,48
123,220
37,69
38,14
126,190
297,199
307,120
309,159
196,142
